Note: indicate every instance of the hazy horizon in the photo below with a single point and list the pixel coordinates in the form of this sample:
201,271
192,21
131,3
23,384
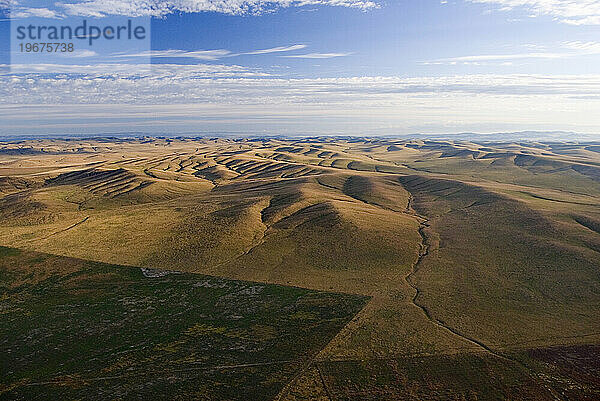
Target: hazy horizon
524,136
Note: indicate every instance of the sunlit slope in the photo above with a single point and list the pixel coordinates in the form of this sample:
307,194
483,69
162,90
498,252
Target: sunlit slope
337,231
572,168
334,214
501,272
473,254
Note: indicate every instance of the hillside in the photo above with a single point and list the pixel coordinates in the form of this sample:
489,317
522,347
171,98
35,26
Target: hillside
479,260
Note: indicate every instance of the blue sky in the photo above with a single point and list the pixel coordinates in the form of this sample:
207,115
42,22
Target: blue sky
312,67
398,38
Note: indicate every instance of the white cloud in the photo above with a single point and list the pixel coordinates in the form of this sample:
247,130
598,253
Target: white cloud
195,54
562,51
583,47
319,55
224,98
279,49
589,20
207,55
211,55
98,72
172,84
27,12
496,57
4,4
574,12
83,53
136,8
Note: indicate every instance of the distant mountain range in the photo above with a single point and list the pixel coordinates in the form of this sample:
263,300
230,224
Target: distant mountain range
521,136
510,136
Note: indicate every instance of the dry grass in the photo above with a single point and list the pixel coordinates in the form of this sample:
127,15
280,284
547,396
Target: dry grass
512,229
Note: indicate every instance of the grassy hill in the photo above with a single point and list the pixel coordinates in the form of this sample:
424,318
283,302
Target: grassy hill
479,256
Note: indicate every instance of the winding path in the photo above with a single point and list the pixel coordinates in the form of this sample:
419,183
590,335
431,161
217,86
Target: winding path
424,251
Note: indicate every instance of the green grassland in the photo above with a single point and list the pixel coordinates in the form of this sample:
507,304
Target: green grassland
73,329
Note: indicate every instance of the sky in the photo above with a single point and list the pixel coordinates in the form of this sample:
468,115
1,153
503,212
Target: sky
309,67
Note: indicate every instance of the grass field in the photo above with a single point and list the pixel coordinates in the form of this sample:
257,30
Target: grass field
74,329
479,260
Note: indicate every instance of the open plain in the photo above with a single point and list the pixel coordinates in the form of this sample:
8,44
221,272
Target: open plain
415,269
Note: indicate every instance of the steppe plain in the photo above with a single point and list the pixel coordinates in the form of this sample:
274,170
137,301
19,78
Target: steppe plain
299,269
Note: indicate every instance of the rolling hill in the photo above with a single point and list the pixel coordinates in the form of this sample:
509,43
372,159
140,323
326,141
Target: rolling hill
479,260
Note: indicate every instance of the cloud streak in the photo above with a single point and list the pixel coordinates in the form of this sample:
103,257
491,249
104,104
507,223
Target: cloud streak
565,50
211,55
318,55
573,12
280,49
207,55
26,12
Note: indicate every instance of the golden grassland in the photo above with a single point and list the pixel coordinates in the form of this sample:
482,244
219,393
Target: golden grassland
480,248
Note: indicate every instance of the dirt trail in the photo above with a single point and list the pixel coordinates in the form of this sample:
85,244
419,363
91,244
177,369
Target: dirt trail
424,252
61,231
